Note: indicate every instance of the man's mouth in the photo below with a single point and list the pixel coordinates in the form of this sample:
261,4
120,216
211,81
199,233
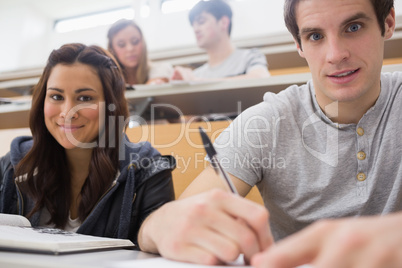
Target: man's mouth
339,75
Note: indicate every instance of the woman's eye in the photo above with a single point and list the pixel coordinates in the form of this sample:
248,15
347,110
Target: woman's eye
135,42
315,36
56,97
354,27
85,98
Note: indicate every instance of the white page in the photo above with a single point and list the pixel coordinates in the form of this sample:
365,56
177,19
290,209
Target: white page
165,263
54,240
14,220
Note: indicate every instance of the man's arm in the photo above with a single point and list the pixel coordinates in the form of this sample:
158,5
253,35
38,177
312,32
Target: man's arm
374,241
208,179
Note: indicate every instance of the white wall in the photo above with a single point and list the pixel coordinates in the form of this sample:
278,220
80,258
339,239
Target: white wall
27,36
24,34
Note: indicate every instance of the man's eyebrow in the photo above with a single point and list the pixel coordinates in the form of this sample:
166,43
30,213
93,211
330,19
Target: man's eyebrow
357,16
306,31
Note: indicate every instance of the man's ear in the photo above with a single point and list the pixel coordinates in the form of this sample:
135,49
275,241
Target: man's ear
299,49
224,22
389,24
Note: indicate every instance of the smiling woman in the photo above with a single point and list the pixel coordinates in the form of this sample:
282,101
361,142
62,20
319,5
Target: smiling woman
79,172
68,87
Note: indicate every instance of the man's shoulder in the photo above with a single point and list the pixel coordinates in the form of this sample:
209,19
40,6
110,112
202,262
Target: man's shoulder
248,52
289,101
392,77
292,95
392,83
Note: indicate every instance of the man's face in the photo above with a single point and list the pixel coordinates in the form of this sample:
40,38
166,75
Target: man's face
208,30
342,43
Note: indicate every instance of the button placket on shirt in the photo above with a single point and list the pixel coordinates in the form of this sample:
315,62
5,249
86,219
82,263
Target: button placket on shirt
361,155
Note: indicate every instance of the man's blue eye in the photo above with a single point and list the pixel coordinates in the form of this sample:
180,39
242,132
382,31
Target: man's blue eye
354,27
315,36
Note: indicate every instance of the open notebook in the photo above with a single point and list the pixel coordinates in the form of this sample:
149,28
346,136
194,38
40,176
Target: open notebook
16,234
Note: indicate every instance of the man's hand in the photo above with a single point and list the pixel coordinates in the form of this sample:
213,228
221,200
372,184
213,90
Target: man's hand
207,228
183,73
368,242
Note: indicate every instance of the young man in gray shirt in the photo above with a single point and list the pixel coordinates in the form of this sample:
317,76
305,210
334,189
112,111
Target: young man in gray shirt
212,25
328,149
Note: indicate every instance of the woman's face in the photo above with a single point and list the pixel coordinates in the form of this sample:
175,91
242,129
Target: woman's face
73,102
128,46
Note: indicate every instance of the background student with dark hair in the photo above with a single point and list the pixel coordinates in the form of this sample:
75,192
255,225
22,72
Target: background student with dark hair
212,25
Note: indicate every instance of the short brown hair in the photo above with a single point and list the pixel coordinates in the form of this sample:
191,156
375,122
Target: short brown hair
381,8
217,8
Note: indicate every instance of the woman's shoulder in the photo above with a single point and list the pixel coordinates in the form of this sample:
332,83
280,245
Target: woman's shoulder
135,152
143,155
19,148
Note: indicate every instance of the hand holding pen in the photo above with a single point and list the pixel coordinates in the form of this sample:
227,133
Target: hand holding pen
211,152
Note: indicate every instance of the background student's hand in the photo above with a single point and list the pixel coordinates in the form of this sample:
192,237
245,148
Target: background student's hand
207,228
183,73
369,242
157,81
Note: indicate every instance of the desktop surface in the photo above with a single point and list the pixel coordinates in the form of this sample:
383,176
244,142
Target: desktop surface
100,259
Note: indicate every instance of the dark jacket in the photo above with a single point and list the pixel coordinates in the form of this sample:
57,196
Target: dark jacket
143,185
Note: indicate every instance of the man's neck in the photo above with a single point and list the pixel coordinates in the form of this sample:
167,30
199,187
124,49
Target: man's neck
347,112
220,52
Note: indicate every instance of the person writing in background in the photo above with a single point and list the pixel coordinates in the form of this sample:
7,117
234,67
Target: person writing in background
126,42
324,155
212,25
78,172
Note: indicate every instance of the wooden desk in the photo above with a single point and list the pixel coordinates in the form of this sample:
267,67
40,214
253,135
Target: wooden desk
183,141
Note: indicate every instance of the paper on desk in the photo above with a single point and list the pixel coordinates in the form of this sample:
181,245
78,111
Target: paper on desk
165,263
193,82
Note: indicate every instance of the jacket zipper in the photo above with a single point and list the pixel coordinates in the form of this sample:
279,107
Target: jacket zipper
18,199
103,195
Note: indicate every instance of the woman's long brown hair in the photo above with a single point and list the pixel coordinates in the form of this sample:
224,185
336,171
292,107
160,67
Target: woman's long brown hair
142,73
45,165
